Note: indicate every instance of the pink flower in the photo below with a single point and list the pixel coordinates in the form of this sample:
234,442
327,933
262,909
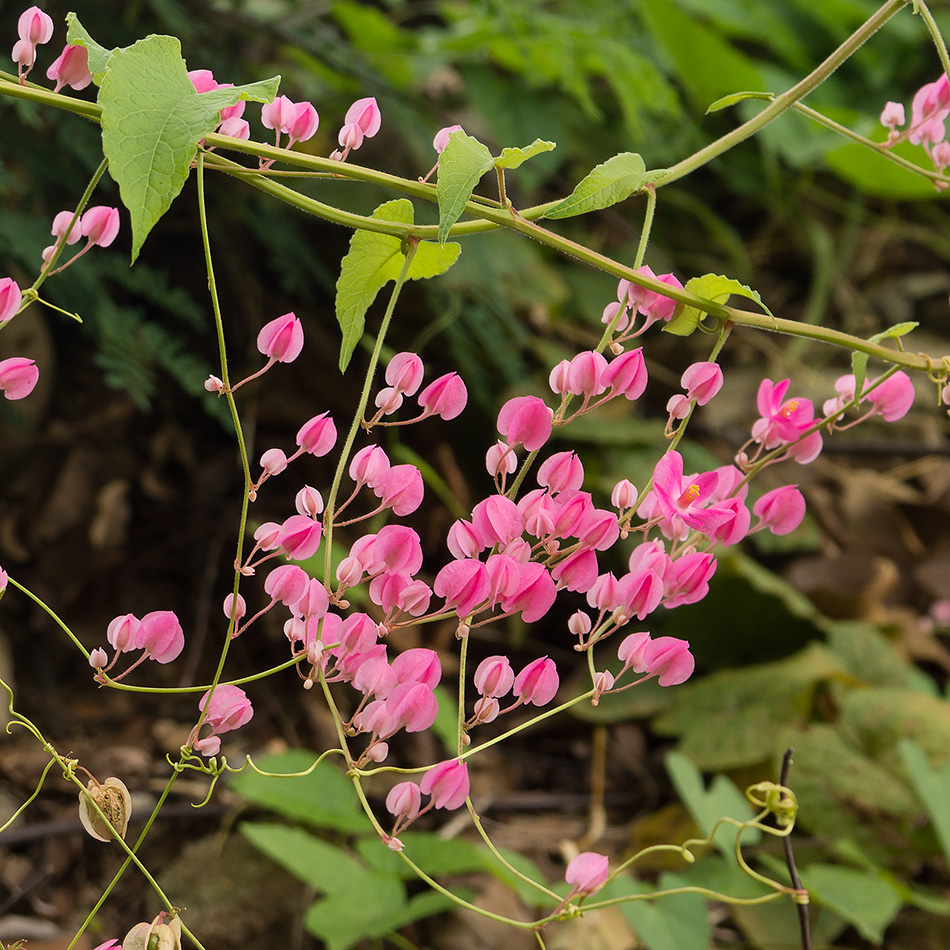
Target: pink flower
652,305
369,465
537,683
534,595
403,801
781,422
362,120
308,501
122,633
500,459
627,375
273,461
298,120
893,115
62,222
161,636
680,499
281,339
202,79
447,783
497,520
100,225
464,584
404,373
929,108
687,579
702,381
299,537
413,706
624,495
71,69
525,419
18,376
494,676
893,398
35,26
563,471
287,583
318,435
780,510
400,488
585,374
442,137
10,299
587,873
666,657
445,397
227,709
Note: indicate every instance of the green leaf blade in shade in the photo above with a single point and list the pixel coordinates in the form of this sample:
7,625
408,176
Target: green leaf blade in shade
374,259
713,287
610,182
513,157
76,35
152,121
862,898
461,166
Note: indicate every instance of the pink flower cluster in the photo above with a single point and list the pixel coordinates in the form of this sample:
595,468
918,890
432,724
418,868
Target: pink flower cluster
632,299
928,113
99,225
158,634
71,67
446,784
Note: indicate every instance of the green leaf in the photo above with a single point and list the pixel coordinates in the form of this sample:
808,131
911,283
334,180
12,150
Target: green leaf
513,157
675,922
375,259
461,166
610,182
376,907
76,35
932,787
735,97
860,897
892,333
323,866
152,121
721,800
324,798
859,368
713,287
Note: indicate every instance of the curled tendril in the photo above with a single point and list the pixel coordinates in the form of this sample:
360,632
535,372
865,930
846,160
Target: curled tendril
776,800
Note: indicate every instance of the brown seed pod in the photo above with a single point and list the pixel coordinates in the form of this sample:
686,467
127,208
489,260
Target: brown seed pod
154,936
114,800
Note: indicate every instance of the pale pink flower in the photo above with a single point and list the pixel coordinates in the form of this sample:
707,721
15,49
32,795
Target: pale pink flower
442,137
893,115
161,636
362,120
71,68
494,676
404,373
100,225
587,873
227,709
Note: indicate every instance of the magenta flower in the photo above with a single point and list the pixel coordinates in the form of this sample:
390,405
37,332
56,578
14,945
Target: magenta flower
680,499
227,709
298,120
525,419
781,421
299,537
71,68
100,224
10,299
447,783
534,595
18,376
587,873
317,436
702,381
537,683
161,636
494,676
464,584
780,510
281,339
563,471
445,397
287,583
627,375
400,488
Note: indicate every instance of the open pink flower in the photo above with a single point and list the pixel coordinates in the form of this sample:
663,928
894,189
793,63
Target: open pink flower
525,419
680,499
537,683
100,225
161,636
362,120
